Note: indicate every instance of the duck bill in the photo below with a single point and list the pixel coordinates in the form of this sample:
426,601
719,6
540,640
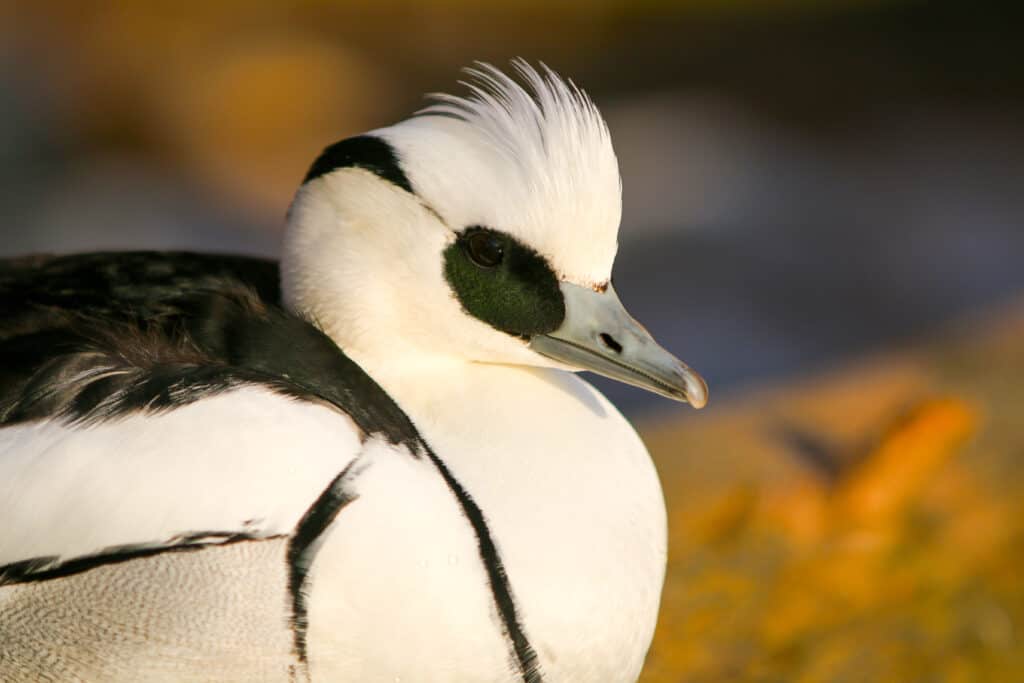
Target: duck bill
600,336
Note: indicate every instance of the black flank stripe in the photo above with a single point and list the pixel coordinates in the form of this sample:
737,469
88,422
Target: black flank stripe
303,547
48,568
501,591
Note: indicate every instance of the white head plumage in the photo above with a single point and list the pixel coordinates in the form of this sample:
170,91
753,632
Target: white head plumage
482,229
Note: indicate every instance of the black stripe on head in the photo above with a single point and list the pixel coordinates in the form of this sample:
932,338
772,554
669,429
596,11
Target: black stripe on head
366,152
504,283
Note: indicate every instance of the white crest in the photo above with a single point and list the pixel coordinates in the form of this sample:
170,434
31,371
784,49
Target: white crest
533,159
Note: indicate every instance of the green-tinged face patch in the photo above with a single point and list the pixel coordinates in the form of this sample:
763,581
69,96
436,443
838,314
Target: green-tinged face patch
504,283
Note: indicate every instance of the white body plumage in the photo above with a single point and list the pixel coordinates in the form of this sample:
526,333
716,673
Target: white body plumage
398,592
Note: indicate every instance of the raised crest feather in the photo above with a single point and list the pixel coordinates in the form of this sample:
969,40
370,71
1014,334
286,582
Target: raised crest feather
550,152
536,123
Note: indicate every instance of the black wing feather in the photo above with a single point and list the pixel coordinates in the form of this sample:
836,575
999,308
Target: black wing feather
97,336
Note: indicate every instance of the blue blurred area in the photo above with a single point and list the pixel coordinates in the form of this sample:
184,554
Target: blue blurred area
847,196
821,249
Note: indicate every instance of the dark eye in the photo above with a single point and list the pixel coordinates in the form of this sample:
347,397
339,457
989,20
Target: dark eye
485,249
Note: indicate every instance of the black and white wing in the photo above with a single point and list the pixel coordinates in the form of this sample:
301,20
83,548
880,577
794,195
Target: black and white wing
155,405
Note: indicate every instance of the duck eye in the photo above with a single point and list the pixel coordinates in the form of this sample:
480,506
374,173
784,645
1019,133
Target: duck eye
485,249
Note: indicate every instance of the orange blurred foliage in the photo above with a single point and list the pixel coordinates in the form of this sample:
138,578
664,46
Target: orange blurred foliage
884,545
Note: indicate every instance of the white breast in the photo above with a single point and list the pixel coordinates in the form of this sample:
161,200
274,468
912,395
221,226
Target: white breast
572,500
398,591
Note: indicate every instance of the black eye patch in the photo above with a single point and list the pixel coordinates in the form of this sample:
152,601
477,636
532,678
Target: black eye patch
503,282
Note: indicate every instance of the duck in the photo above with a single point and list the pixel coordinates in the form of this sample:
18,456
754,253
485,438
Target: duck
371,461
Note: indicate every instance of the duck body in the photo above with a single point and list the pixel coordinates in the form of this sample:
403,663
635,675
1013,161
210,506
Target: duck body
146,495
366,463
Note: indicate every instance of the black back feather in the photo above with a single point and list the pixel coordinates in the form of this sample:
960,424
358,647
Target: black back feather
97,336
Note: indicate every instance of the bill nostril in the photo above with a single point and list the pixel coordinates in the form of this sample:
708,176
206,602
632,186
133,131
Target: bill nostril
610,342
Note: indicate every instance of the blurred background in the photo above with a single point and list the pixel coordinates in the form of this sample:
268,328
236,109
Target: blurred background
823,214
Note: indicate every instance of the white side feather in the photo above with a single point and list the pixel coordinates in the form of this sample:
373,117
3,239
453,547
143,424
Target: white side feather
245,461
